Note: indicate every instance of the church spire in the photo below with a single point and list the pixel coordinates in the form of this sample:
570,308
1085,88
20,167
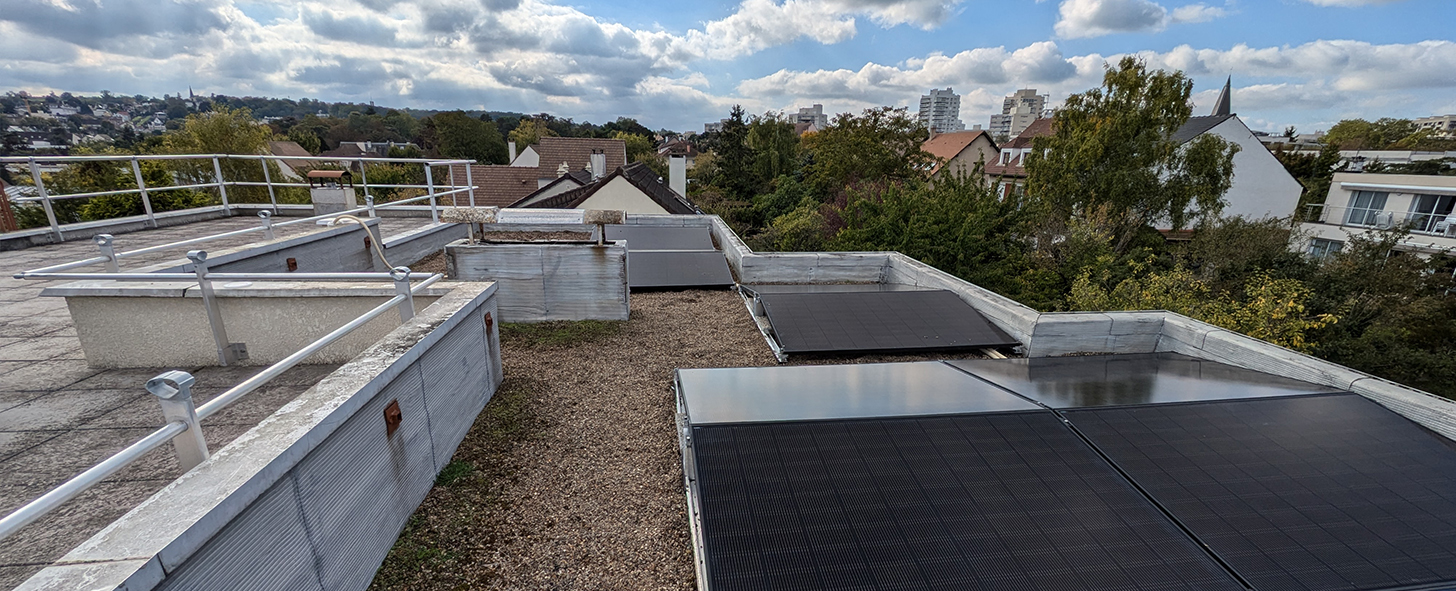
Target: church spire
1222,107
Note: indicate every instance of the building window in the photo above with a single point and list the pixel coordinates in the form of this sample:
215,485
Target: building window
1429,213
1320,248
1365,207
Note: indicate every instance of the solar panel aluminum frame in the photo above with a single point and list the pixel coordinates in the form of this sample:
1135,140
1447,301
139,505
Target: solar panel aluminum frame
690,486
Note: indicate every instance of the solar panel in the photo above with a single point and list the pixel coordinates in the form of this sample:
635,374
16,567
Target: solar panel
662,237
1115,380
1010,501
1324,493
878,321
762,288
815,392
676,268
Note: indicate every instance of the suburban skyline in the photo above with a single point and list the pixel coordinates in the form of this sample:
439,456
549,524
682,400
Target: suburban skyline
1306,63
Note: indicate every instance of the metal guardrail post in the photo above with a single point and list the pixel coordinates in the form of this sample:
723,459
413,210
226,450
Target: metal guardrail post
45,201
401,276
364,180
430,183
136,168
369,203
468,182
108,250
221,187
174,391
267,224
228,353
268,179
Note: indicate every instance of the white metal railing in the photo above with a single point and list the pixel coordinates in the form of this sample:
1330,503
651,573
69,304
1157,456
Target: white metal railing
173,388
1429,224
432,190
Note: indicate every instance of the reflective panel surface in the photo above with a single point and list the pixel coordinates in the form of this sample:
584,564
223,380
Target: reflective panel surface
676,268
830,287
878,321
662,237
816,392
1115,380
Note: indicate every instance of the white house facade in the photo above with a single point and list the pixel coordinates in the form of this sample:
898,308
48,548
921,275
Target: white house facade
1359,203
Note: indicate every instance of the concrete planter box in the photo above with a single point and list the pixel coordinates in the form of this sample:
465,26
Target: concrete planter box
546,280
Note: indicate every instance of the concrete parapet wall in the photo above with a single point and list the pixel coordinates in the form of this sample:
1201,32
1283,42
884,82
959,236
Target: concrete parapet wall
165,324
336,249
408,248
548,281
316,494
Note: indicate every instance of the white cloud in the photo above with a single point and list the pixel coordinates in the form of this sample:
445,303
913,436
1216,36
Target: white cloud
1095,18
1349,2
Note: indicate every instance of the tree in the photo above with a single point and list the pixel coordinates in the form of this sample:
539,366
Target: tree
223,131
1352,134
1113,150
457,135
1313,171
774,146
529,132
881,144
639,147
735,159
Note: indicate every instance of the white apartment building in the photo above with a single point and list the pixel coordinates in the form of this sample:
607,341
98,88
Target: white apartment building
1018,111
814,116
940,111
1441,125
1363,202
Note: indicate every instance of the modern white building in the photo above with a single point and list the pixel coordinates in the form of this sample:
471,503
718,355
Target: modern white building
1362,202
1018,111
1443,126
814,116
940,111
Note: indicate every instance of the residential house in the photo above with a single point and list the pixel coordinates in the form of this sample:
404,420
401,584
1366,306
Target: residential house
960,152
1261,188
633,188
291,168
553,157
1360,203
679,147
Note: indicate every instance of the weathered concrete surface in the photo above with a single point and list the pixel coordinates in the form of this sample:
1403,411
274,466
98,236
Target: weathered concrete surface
58,416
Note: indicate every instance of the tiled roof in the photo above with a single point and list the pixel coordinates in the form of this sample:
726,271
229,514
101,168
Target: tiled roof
500,185
1038,128
636,173
949,145
576,153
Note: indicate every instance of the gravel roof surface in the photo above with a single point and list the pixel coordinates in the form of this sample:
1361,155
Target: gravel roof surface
572,477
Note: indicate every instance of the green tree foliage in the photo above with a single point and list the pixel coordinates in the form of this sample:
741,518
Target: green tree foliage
1384,134
99,176
457,135
529,133
882,144
734,156
1113,150
222,131
1313,171
639,147
958,224
799,230
774,146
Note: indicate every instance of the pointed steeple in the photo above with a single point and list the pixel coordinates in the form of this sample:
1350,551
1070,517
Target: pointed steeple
1222,107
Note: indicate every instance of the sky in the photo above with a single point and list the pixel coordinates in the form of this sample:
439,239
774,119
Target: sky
678,64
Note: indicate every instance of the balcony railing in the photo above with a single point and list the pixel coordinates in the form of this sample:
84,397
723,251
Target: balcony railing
1382,219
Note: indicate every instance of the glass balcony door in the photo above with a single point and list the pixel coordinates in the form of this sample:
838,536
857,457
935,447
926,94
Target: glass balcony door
1364,207
1429,211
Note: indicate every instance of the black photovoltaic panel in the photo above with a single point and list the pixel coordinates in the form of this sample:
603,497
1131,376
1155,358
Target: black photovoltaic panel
817,392
1118,380
1323,493
878,321
1010,501
662,238
761,288
676,268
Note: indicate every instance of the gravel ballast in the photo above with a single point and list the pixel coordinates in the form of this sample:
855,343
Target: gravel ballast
572,477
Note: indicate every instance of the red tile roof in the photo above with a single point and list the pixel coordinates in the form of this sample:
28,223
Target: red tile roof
576,153
949,145
500,185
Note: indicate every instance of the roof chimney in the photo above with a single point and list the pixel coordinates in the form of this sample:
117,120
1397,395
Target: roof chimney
677,175
598,164
511,147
